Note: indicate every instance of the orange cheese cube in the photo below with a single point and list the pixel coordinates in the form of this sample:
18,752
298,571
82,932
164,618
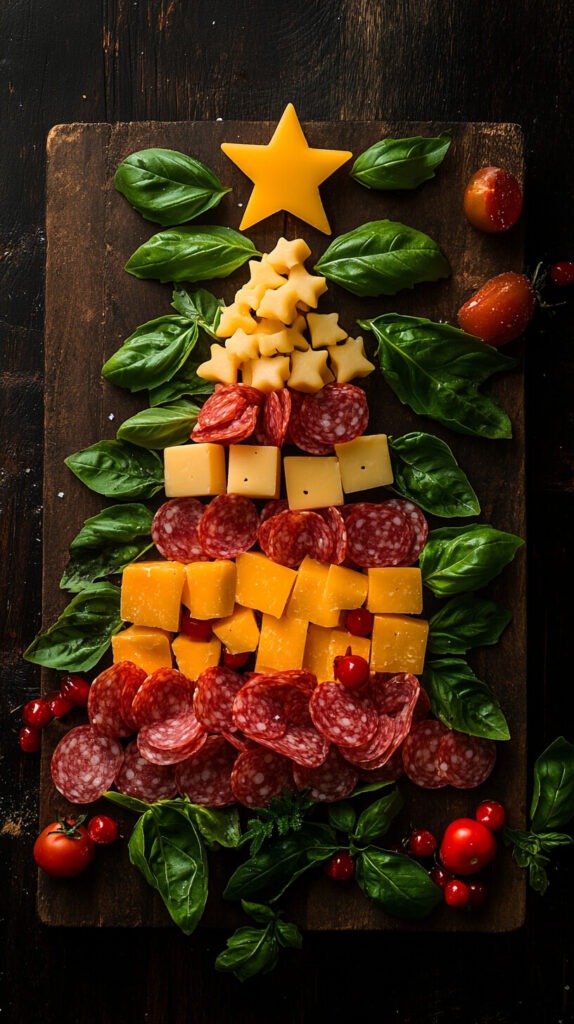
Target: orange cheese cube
398,644
345,588
144,646
262,584
151,594
193,656
209,590
307,599
281,643
324,645
397,590
239,631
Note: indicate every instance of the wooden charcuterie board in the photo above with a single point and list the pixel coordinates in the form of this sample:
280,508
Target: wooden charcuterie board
92,305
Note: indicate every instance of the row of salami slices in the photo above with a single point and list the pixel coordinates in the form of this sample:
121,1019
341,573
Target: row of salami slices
232,737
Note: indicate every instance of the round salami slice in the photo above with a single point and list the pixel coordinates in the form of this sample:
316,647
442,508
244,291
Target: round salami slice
288,537
132,682
301,741
420,754
265,704
418,524
228,526
377,750
206,776
390,771
231,432
162,755
272,508
336,523
258,775
377,535
335,779
226,404
143,780
166,693
85,764
174,733
174,530
215,691
274,417
336,413
105,699
346,717
466,761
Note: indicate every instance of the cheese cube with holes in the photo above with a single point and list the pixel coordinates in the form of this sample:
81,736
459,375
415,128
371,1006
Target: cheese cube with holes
254,470
312,481
209,590
144,646
262,584
324,645
364,463
398,590
194,469
307,599
151,594
398,644
193,656
345,588
239,631
281,643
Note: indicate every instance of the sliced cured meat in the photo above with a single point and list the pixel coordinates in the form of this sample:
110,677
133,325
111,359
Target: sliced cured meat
418,524
265,704
288,537
466,761
377,750
377,535
169,754
420,754
227,403
258,775
105,699
390,771
174,733
335,779
336,413
336,523
346,717
206,776
297,433
132,682
422,706
145,781
215,691
274,417
85,764
166,693
301,741
174,530
228,526
272,508
232,432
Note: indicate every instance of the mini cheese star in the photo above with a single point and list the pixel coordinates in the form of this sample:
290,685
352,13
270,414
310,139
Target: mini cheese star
286,173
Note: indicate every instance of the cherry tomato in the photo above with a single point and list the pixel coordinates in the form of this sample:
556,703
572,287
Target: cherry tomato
492,200
440,875
467,846
64,848
103,829
562,273
29,739
491,814
359,622
59,705
501,310
477,893
37,713
76,689
422,843
456,893
196,629
235,661
340,867
351,670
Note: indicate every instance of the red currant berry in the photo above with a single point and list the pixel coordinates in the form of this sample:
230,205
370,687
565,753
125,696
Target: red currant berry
477,893
351,670
491,814
340,867
76,689
59,705
37,713
359,622
562,273
196,629
103,829
440,875
235,661
29,739
456,893
422,843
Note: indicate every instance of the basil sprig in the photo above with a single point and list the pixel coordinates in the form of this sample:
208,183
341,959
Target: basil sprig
168,187
118,469
107,543
437,370
382,257
425,471
252,951
458,559
273,869
466,622
152,354
396,883
462,701
160,426
199,306
191,254
400,163
82,633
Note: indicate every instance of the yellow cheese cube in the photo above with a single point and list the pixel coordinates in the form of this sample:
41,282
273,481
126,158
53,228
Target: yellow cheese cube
324,645
348,361
262,584
397,590
309,287
364,463
243,346
324,329
151,594
193,656
254,470
209,590
398,644
238,632
268,374
312,481
345,588
309,370
286,254
307,599
281,643
238,314
194,469
144,646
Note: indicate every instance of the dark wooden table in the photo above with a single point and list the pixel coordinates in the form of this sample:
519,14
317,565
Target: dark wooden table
170,60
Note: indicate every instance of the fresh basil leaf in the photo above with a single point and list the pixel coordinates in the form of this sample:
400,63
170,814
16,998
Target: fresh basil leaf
425,471
400,163
462,701
274,868
200,306
537,876
252,951
152,354
168,187
466,622
552,804
382,257
129,803
342,816
191,254
436,369
376,819
107,543
551,840
396,883
117,469
83,632
457,559
288,934
219,827
161,426
259,912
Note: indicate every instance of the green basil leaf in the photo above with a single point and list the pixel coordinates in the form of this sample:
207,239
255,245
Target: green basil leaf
398,884
259,912
552,804
537,876
160,426
191,254
551,840
168,187
152,354
249,951
400,163
425,471
200,306
185,383
128,803
107,543
436,369
82,633
342,816
219,827
117,469
274,868
462,701
288,934
376,819
457,559
466,622
382,257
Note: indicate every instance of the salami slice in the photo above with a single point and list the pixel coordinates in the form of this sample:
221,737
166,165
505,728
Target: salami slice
164,694
336,413
301,741
258,775
346,717
163,755
231,432
264,705
420,754
377,535
206,776
418,524
132,682
174,733
336,523
272,508
466,761
85,764
288,537
105,700
335,779
226,404
174,530
228,526
143,780
390,771
215,691
377,750
274,417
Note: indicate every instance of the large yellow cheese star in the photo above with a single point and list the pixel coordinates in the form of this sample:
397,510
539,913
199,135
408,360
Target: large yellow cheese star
286,174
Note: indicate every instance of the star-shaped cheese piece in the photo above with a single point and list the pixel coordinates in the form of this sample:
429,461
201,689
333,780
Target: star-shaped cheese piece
309,286
286,254
309,370
280,303
221,367
348,360
237,315
324,329
266,374
286,174
243,346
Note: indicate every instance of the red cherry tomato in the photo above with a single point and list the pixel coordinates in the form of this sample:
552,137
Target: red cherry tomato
492,200
440,875
63,849
340,867
29,739
467,846
76,689
562,273
37,713
59,705
351,670
456,893
422,843
501,310
103,829
477,894
196,629
359,622
491,814
235,661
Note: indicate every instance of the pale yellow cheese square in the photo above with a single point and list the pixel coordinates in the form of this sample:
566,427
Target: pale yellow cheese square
262,584
254,470
312,481
307,599
345,588
281,643
397,590
194,469
209,590
144,646
364,463
151,594
398,644
193,656
238,632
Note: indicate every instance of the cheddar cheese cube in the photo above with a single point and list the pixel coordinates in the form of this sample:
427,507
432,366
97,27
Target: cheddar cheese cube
193,656
281,643
151,594
194,469
145,646
307,599
345,588
398,590
312,481
324,645
254,470
262,584
239,631
209,590
364,463
398,644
